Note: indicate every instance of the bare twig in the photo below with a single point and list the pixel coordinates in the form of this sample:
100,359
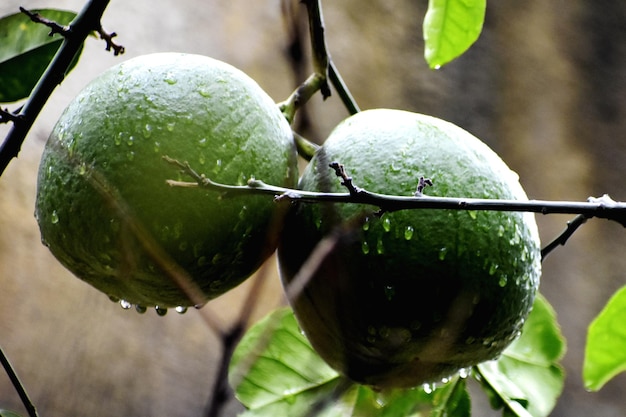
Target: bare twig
110,45
85,22
17,384
54,26
7,116
561,239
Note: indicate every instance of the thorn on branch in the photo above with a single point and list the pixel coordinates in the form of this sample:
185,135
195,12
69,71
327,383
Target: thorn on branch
423,183
346,180
54,26
110,45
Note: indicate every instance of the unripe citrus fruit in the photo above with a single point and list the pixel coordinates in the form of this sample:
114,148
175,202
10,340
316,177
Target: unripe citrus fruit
103,205
413,296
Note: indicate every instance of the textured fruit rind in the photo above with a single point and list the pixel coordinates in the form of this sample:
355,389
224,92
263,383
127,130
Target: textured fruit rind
102,178
415,295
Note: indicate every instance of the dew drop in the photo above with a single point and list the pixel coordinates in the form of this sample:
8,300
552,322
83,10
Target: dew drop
157,146
428,388
445,380
503,280
204,92
147,132
442,253
408,232
170,126
130,141
140,309
365,248
390,291
386,224
54,217
463,373
130,155
161,311
169,78
380,248
181,309
493,268
473,214
125,304
118,139
366,224
500,231
202,143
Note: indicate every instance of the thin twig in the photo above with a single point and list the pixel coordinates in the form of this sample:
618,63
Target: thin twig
561,239
85,22
54,26
21,391
110,44
7,116
603,207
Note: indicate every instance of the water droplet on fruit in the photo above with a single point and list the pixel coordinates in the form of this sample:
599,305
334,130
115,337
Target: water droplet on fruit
170,126
181,309
500,231
395,166
118,139
201,158
54,217
408,232
125,304
493,268
218,166
380,248
130,155
390,291
161,311
442,253
463,373
366,224
157,146
147,132
365,248
202,143
470,340
445,380
428,388
503,280
169,78
130,141
473,214
204,92
386,224
140,309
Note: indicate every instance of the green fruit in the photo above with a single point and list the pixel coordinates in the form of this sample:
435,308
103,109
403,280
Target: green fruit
103,205
415,295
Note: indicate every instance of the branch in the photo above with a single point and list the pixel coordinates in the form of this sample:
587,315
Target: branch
603,207
17,384
110,45
85,22
54,26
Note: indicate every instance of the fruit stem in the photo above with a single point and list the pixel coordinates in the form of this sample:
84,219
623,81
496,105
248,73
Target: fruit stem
8,368
85,22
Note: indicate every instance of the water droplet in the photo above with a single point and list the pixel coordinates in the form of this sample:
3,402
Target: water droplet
169,78
130,141
181,309
380,248
318,223
161,311
170,126
204,92
54,217
118,139
242,213
366,224
390,291
130,155
408,232
365,248
428,388
442,253
464,373
493,268
157,146
396,166
140,309
202,261
386,224
125,304
147,131
202,143
445,380
82,169
503,280
500,231
201,158
473,214
470,340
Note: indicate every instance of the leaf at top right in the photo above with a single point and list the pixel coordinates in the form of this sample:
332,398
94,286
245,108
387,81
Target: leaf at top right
450,28
605,351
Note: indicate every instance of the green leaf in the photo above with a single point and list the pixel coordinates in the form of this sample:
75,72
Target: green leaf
26,50
275,372
450,28
605,351
8,413
527,379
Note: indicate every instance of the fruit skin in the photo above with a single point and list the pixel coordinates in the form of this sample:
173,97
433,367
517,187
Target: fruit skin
102,178
416,295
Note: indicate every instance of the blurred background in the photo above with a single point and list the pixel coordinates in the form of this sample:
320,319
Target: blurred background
545,86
